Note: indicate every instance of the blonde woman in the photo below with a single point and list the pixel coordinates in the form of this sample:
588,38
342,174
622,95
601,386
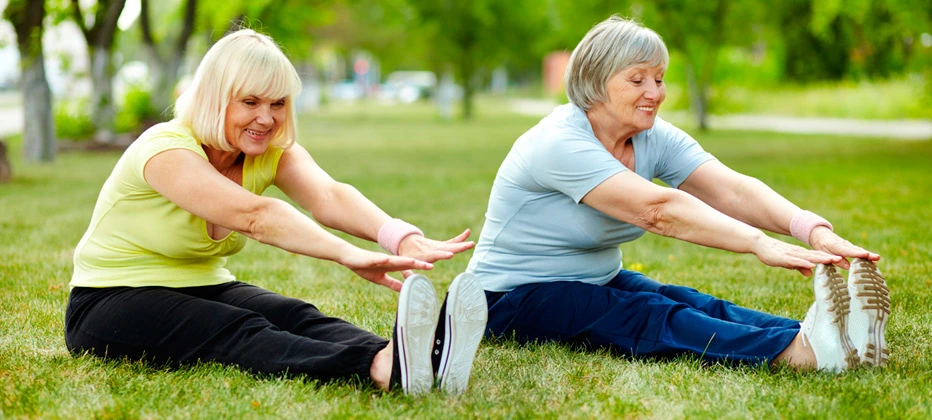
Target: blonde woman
149,279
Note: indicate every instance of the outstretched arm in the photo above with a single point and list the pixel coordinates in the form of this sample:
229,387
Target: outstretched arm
751,201
341,206
204,192
670,212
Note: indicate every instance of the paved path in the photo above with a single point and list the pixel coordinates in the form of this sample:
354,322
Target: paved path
11,122
898,129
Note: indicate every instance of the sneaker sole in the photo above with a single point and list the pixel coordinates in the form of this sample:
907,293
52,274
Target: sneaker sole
465,320
870,309
417,319
840,308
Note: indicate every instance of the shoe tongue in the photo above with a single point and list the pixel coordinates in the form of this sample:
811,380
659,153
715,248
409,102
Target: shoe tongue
439,335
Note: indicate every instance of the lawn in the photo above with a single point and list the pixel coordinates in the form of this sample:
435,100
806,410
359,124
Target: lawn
437,175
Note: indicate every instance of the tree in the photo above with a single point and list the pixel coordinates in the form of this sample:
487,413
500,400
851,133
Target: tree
165,55
698,31
471,34
100,35
39,128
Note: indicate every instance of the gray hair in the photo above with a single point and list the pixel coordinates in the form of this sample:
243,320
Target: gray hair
609,47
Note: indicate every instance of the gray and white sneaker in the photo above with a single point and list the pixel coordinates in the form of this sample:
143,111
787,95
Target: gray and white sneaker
462,323
825,325
870,308
412,338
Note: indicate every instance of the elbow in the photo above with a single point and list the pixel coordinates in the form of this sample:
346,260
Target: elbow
258,222
658,215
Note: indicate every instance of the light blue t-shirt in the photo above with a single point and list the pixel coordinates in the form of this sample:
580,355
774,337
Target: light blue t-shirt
537,230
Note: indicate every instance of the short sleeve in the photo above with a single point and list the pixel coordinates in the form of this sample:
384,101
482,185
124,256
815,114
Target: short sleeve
148,146
680,155
572,166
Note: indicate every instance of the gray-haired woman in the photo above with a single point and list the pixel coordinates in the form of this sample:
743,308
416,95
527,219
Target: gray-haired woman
578,184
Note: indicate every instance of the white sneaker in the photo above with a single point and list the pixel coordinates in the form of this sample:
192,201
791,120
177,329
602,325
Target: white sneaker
462,323
870,308
825,326
413,336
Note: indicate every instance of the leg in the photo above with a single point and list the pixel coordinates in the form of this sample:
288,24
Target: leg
167,326
637,323
634,281
292,315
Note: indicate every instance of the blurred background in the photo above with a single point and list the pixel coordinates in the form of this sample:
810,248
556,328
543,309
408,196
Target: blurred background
102,71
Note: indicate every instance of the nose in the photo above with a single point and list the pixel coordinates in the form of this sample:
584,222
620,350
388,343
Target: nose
653,91
264,115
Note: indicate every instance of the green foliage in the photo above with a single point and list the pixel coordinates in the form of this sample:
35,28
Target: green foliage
873,190
73,119
136,111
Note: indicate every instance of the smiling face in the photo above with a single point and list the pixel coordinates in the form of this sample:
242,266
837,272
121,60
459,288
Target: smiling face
634,96
251,122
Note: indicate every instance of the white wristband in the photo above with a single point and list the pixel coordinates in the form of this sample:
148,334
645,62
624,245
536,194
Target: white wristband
393,232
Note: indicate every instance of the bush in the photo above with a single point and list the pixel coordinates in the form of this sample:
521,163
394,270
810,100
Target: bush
136,111
73,120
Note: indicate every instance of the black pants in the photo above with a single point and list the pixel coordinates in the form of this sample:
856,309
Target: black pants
233,323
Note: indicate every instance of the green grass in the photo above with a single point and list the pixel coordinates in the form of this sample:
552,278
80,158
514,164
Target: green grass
437,175
888,99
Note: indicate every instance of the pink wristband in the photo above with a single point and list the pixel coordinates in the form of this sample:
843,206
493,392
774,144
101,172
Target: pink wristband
803,222
393,232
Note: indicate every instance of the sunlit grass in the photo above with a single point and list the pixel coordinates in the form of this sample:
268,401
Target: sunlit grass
437,175
891,99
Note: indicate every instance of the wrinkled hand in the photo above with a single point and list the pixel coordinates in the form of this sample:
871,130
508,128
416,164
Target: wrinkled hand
426,249
776,253
374,266
823,239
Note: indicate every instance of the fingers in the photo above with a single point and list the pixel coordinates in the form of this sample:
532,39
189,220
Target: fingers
406,273
390,283
459,238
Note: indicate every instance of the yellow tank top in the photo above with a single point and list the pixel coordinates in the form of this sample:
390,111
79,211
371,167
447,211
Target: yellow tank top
137,237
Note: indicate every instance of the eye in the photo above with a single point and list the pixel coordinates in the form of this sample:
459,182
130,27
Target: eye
249,102
278,104
636,81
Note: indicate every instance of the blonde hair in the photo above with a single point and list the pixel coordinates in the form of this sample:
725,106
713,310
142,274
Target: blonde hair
243,63
609,47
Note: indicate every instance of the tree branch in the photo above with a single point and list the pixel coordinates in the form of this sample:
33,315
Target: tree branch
190,11
79,18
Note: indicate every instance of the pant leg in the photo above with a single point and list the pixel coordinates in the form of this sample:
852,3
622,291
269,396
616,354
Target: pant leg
169,326
634,281
294,315
636,323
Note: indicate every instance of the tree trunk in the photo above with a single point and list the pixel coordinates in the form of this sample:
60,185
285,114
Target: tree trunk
164,76
38,125
698,98
467,71
6,173
100,40
102,112
165,69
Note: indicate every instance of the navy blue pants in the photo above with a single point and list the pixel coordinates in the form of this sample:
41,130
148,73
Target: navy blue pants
636,315
233,323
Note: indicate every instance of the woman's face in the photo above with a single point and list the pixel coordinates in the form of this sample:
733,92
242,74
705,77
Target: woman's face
251,121
635,94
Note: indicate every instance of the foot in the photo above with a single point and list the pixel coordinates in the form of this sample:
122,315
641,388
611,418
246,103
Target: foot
414,329
462,323
870,308
825,327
